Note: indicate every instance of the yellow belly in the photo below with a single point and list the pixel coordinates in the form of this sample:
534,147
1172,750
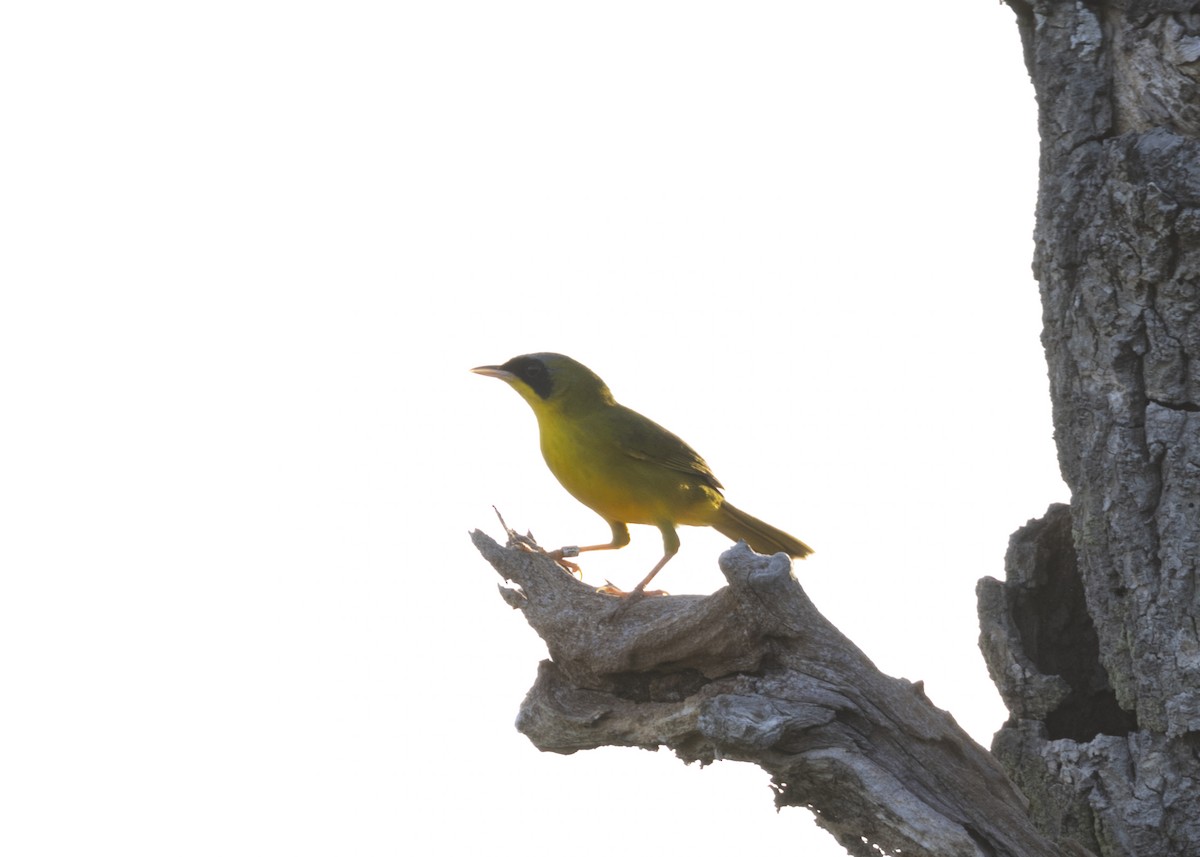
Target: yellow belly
621,487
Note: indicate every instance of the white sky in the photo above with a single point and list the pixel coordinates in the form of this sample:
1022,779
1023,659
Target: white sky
250,252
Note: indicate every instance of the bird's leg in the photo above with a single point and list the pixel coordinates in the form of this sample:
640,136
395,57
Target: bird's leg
620,538
559,557
670,548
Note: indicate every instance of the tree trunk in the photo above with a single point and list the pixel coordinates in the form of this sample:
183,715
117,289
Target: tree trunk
1093,639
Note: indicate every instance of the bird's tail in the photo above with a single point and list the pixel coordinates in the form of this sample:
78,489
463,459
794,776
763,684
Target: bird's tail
761,536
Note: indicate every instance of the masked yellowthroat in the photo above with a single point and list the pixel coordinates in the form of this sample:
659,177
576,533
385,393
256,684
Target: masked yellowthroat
623,466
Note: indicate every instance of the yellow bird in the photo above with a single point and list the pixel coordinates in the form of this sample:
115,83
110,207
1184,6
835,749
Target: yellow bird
626,468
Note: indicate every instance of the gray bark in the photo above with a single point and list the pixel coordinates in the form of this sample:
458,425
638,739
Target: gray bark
1093,637
755,673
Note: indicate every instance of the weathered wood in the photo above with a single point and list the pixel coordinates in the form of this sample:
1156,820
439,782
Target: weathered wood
1094,638
754,673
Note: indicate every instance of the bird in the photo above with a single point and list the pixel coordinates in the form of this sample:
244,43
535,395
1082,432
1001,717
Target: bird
625,467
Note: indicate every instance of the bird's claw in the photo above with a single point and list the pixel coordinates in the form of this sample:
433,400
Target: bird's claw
558,557
610,588
529,544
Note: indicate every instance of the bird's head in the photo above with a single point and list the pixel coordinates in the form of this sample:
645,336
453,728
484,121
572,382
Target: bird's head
548,380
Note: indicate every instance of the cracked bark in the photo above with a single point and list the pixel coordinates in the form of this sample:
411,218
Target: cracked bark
755,673
1092,638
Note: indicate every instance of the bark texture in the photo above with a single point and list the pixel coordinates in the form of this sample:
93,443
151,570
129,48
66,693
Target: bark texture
1093,638
754,673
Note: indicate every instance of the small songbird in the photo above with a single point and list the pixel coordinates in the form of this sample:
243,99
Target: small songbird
626,468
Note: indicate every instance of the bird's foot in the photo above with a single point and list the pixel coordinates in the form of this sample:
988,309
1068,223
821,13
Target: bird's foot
559,556
526,543
630,597
529,544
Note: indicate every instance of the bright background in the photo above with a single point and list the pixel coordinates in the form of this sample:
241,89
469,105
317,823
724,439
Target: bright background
250,251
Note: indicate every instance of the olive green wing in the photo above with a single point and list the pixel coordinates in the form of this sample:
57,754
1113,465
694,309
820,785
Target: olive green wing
645,440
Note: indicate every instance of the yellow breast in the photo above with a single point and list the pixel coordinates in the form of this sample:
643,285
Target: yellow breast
584,455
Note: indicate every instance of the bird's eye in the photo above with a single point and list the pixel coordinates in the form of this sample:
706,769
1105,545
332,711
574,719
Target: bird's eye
534,373
531,370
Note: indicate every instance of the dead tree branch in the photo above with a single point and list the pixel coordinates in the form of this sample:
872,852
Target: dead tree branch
754,673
